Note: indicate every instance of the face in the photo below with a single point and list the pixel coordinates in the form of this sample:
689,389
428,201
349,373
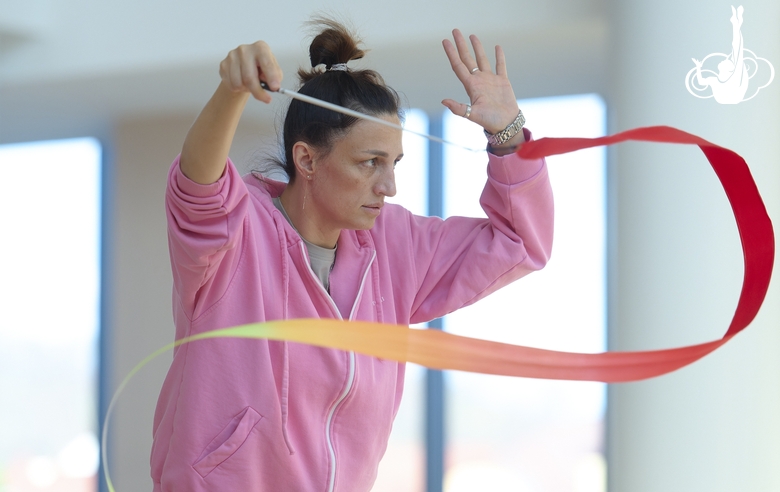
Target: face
350,183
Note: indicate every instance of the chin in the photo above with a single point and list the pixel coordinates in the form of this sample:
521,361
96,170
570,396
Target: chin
362,225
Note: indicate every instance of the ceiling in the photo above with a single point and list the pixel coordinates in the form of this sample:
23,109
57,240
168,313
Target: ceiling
75,67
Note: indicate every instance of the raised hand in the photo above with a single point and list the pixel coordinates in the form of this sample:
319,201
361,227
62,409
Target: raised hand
492,100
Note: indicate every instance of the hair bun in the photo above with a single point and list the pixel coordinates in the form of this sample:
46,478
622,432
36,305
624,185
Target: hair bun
334,44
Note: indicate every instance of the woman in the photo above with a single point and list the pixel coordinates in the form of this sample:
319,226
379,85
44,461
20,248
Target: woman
250,415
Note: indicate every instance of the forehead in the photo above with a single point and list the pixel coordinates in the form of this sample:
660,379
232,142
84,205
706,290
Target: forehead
366,134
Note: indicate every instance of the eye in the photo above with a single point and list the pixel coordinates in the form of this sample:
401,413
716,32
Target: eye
370,162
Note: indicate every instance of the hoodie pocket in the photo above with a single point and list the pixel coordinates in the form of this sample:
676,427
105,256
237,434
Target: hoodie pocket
227,441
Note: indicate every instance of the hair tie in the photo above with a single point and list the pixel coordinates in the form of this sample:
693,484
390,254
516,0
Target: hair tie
341,67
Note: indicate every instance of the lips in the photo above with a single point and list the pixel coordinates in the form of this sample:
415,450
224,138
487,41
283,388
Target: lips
373,208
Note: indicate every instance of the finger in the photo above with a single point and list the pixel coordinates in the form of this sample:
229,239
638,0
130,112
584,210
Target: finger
458,109
234,71
224,71
250,74
270,72
272,75
500,61
464,52
482,60
457,64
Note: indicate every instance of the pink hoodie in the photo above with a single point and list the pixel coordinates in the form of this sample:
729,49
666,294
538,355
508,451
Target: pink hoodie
257,415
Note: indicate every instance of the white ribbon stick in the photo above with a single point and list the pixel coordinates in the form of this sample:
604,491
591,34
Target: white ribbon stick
357,114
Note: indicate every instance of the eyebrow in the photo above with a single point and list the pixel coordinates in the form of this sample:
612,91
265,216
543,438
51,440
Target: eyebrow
381,153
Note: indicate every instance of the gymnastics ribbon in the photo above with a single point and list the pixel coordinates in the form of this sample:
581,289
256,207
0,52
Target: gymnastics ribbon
440,350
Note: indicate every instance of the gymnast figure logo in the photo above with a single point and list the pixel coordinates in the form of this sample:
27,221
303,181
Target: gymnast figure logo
735,70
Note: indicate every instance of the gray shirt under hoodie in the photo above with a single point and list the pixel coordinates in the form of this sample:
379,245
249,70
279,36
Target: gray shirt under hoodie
321,259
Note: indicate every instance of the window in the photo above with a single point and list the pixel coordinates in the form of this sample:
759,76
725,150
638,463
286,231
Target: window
49,300
523,434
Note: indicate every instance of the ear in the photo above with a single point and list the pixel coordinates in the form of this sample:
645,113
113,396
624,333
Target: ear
304,157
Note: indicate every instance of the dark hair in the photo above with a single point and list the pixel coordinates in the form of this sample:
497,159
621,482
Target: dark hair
359,90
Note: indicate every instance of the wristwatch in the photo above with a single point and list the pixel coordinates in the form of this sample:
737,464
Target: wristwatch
507,133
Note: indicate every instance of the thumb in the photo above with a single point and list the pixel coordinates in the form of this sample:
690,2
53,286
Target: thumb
458,109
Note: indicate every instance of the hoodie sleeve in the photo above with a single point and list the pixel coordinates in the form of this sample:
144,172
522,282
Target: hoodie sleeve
461,260
205,223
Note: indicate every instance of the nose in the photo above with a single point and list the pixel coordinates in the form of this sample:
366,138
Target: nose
386,184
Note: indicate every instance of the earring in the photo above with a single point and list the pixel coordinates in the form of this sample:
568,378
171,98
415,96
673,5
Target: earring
308,176
304,193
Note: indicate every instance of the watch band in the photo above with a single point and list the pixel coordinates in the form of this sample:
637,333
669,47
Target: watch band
507,133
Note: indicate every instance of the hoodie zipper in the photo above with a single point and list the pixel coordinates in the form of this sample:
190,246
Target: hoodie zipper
331,449
351,370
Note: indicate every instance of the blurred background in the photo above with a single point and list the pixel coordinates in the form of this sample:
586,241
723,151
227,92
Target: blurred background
96,98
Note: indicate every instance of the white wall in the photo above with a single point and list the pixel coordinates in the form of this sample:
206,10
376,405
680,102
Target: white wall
711,426
141,294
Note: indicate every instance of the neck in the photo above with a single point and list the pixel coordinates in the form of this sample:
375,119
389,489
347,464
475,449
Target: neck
299,205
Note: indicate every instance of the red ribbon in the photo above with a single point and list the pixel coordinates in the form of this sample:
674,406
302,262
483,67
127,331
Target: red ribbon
758,248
